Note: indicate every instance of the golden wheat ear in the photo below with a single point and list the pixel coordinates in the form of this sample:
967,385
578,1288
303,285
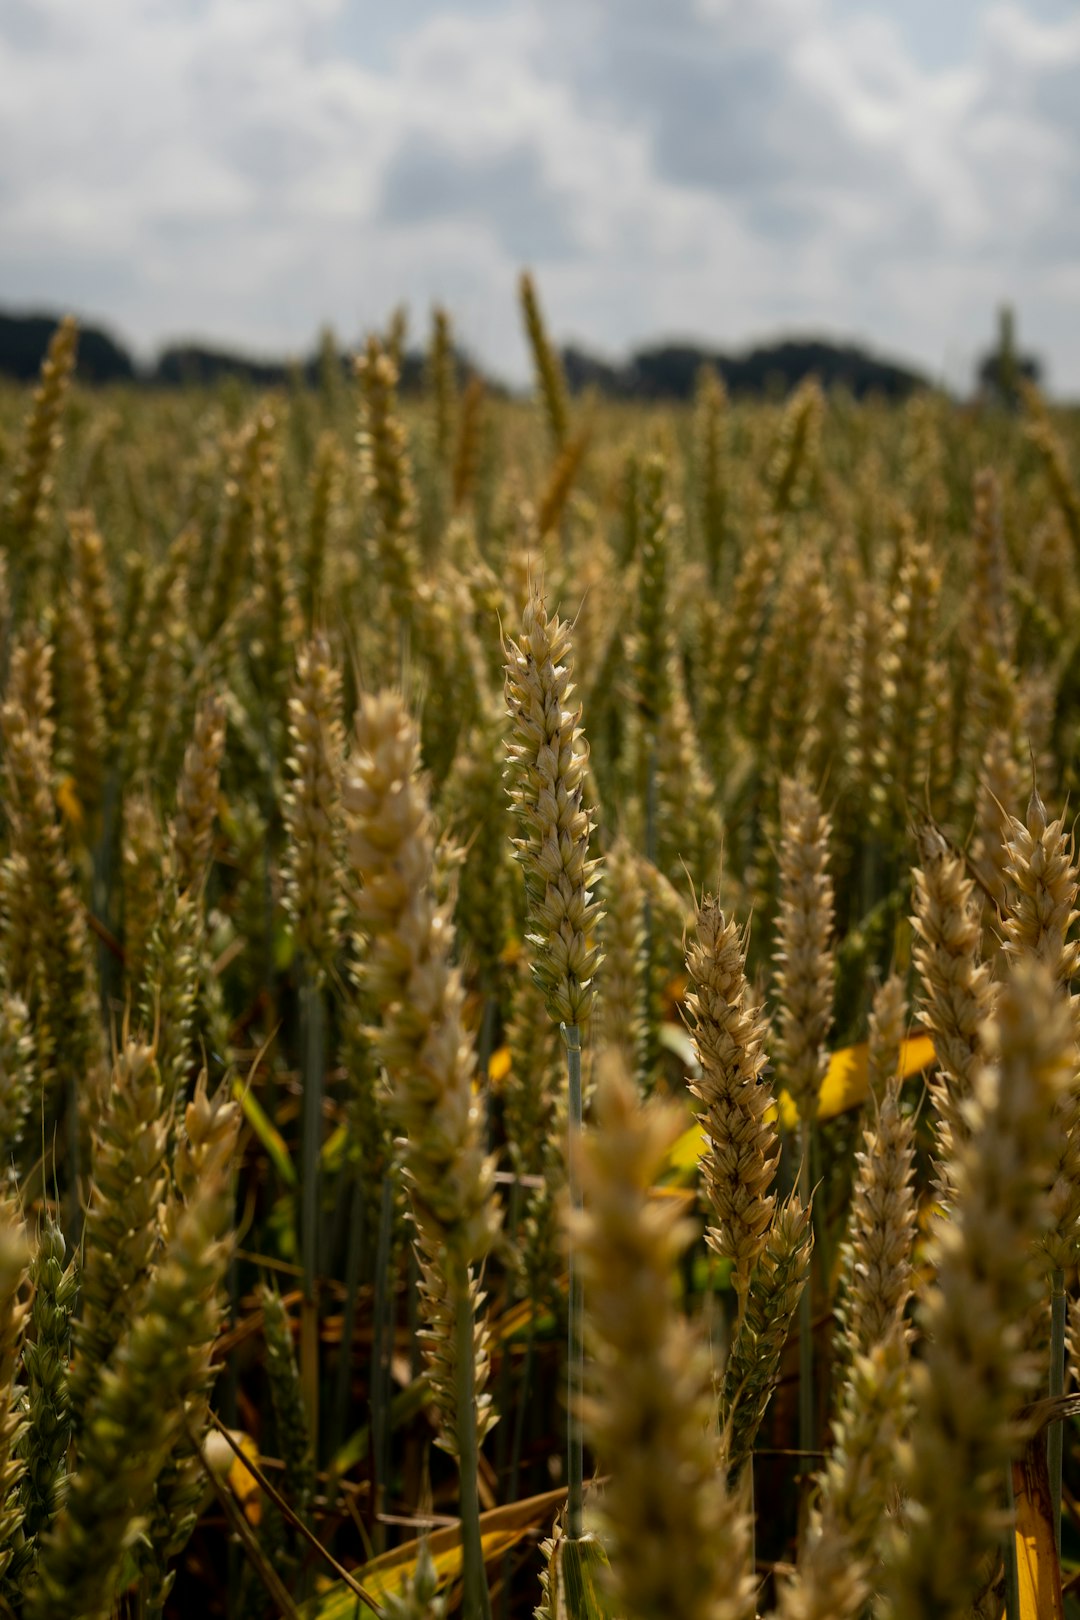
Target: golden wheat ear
314,857
547,771
976,1373
729,1034
804,949
679,1541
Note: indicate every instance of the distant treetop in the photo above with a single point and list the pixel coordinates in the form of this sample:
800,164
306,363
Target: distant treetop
25,338
656,372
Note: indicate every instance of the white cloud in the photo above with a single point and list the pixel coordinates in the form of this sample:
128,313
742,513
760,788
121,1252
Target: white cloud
246,169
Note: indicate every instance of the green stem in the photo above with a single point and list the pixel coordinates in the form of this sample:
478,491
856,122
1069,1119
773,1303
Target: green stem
486,1044
485,1047
503,1430
575,1354
74,1197
1054,1436
380,1360
313,1034
650,804
476,1601
354,1259
806,1317
519,1441
650,1042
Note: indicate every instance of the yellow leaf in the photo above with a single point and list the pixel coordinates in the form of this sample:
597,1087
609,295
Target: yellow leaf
69,804
242,1483
845,1086
227,1466
499,1066
501,1530
517,1318
1036,1555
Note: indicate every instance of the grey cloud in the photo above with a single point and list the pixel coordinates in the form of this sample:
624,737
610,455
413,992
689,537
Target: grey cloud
425,182
717,94
96,284
707,165
270,154
25,26
783,218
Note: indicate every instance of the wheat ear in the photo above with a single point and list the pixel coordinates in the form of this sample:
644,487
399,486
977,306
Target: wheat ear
729,1038
679,1544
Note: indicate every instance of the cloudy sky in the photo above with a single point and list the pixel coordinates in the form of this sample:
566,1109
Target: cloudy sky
245,170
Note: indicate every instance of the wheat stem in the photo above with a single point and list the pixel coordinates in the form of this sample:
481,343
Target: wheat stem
313,1020
477,1600
806,1314
575,1358
1054,1437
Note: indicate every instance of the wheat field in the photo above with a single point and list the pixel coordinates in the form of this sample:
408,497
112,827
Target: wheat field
538,1049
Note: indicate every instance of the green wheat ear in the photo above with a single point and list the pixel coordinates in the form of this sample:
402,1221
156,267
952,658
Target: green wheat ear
290,1418
404,910
14,1311
548,763
314,857
129,1181
44,1446
136,1415
24,513
678,1540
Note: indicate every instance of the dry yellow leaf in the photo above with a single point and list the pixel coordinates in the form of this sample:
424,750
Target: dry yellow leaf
1038,1566
846,1085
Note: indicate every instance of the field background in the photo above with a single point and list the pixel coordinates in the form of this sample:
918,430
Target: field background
879,600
